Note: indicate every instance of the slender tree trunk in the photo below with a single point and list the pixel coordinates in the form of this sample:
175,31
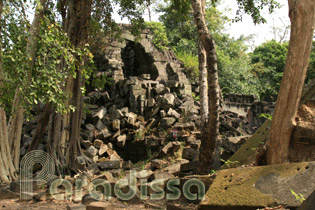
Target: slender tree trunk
41,127
302,16
203,85
7,169
17,117
209,141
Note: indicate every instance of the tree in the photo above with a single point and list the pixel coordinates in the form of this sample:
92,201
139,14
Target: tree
209,142
7,169
302,17
269,61
11,134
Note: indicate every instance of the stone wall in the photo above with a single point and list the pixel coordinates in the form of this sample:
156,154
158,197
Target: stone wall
247,106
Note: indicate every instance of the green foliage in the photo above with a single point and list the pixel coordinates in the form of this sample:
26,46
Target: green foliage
254,8
311,66
14,40
266,116
234,67
229,163
55,61
298,197
160,39
191,64
268,62
178,20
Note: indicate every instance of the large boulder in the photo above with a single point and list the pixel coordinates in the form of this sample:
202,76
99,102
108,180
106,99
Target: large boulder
257,187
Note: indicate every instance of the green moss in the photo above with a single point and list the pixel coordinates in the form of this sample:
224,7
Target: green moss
247,153
237,186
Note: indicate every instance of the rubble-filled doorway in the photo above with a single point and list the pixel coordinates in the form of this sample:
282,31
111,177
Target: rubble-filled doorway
136,61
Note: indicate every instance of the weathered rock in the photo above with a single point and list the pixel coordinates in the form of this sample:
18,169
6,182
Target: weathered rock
116,173
80,162
100,126
76,207
232,144
189,166
302,147
90,127
87,199
309,203
247,153
103,148
257,187
175,168
103,134
91,152
167,149
86,144
105,96
99,206
176,146
111,164
106,175
161,175
144,174
187,106
121,140
167,122
190,154
161,89
116,125
127,165
97,143
195,144
166,101
92,170
115,113
132,118
185,126
173,113
99,115
157,164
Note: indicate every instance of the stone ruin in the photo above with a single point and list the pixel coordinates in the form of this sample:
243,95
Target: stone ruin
148,107
148,113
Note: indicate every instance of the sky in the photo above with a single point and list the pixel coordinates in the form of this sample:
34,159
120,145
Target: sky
262,32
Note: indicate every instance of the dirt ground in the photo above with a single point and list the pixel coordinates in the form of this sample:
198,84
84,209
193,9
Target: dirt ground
15,204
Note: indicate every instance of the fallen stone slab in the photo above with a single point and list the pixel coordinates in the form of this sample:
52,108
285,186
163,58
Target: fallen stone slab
190,154
112,164
175,168
190,166
167,149
76,207
121,140
247,153
99,206
232,144
167,122
257,187
157,164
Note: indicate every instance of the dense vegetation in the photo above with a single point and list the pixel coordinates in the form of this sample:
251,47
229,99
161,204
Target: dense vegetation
240,71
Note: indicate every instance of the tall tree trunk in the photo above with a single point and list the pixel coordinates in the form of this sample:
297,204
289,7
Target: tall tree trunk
79,16
17,117
7,169
209,141
302,17
203,85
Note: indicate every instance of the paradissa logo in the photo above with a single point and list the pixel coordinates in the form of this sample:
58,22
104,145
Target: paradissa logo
124,189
